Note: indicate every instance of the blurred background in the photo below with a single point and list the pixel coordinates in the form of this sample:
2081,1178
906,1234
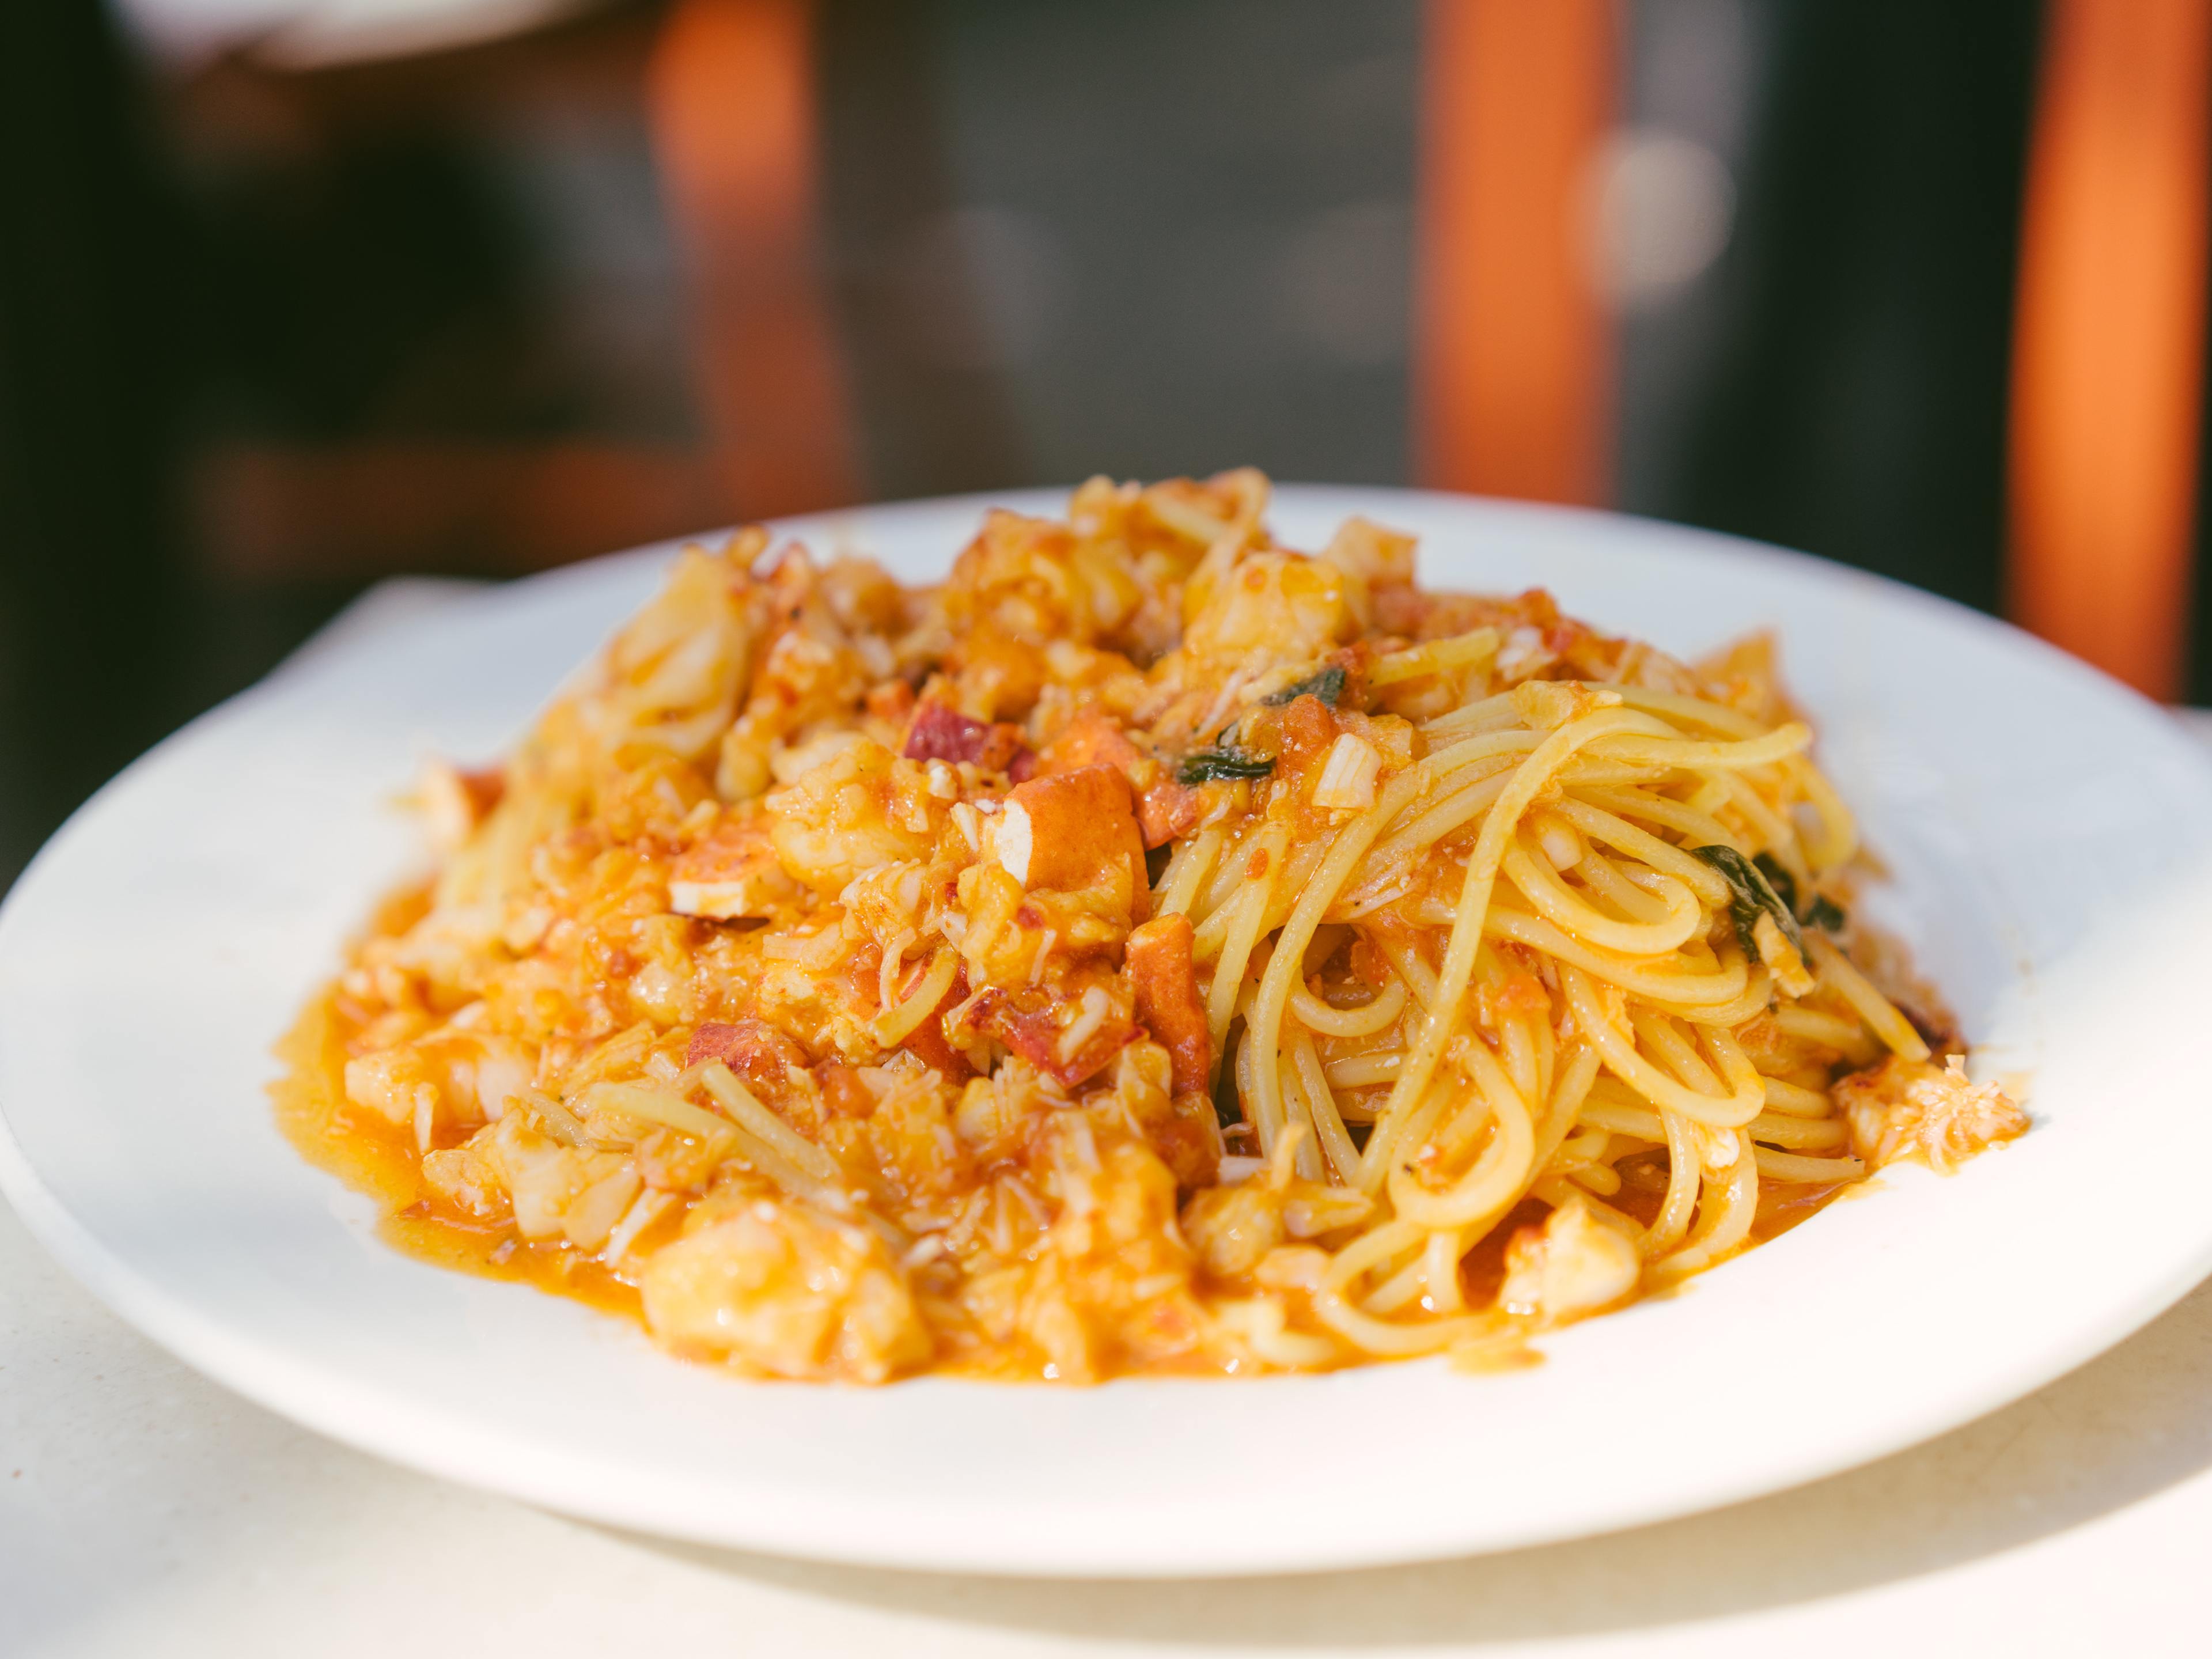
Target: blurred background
297,295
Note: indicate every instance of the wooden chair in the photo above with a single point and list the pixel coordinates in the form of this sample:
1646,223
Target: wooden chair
1512,375
731,102
2109,336
1514,354
1513,370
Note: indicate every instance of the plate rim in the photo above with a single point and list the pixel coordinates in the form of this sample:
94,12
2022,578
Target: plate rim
302,1391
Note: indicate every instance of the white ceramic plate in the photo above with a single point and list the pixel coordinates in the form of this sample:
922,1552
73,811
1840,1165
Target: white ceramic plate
2051,840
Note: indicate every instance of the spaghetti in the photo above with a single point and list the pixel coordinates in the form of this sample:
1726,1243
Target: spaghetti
1153,951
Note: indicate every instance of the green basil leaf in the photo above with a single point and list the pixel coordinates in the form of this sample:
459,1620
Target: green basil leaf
1779,879
1753,894
1822,912
1327,685
1214,765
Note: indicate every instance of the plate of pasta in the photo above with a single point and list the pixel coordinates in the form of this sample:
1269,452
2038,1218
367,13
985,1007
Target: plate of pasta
1167,1029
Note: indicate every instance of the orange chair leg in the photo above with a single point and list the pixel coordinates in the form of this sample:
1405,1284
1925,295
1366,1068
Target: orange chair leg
1512,350
2108,342
731,99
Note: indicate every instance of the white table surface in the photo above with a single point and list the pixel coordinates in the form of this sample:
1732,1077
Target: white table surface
145,1511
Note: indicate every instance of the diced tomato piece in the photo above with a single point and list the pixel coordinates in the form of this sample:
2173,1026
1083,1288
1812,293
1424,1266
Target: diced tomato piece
1081,832
1166,808
1168,1003
940,732
763,1056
